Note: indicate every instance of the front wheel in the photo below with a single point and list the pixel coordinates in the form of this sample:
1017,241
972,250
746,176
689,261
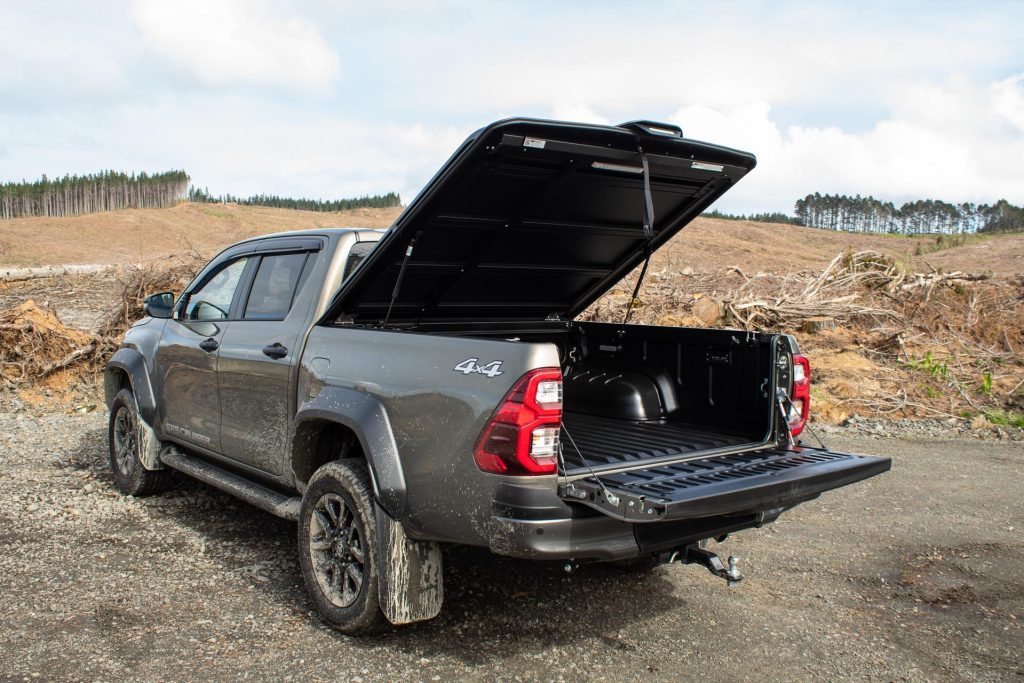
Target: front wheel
123,436
338,548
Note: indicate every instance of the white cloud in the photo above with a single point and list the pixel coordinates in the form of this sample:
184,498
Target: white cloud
43,62
723,56
1008,99
941,142
225,42
898,101
567,111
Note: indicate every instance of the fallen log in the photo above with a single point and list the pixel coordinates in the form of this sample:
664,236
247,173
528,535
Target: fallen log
19,274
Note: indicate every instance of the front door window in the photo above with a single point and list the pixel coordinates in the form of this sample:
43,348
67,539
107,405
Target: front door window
212,301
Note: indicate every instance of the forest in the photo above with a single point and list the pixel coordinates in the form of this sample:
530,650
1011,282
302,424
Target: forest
925,216
377,201
919,217
73,195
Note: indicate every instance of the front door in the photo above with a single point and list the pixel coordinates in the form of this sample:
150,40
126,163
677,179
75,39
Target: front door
257,357
186,360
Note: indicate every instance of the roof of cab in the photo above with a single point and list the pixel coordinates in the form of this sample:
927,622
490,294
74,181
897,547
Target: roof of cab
375,233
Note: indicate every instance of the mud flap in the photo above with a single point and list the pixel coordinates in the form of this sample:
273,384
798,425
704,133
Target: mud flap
149,445
411,581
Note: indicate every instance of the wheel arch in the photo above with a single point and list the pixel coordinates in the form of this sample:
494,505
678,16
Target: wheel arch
127,368
318,441
341,423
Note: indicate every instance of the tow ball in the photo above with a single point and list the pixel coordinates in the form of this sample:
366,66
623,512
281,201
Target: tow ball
693,554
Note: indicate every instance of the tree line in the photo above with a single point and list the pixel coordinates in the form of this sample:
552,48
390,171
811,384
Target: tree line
377,201
73,195
923,216
772,217
919,217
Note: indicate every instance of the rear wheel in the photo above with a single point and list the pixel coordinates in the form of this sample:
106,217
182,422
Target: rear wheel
338,548
123,438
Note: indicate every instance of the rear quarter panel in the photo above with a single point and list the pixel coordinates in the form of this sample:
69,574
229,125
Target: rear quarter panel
436,413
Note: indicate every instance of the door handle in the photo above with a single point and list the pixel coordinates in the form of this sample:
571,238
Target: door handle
275,350
209,345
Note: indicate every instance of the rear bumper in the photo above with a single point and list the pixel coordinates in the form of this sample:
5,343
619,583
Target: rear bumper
605,539
597,538
529,522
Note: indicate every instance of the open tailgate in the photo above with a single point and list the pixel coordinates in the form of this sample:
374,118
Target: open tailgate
732,484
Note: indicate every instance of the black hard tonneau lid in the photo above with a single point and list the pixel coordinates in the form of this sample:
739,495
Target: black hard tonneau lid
534,220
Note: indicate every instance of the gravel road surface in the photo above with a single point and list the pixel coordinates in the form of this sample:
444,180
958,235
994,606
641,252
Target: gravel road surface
914,575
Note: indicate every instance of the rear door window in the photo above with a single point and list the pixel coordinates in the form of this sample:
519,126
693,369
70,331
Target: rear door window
360,250
274,286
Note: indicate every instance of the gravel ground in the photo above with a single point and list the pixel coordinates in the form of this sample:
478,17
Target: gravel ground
914,575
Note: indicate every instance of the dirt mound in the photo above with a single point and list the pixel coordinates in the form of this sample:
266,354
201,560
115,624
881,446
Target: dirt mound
40,356
36,344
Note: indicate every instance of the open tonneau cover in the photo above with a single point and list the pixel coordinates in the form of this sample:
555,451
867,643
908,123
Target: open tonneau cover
725,485
534,220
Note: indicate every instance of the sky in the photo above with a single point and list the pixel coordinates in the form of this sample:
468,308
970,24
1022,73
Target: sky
330,98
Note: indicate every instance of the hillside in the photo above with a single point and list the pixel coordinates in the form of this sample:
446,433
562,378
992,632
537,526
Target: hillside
709,244
136,235
902,338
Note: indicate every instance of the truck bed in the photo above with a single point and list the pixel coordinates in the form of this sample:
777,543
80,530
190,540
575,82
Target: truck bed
612,444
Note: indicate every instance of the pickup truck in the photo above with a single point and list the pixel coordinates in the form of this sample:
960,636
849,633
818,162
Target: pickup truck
395,391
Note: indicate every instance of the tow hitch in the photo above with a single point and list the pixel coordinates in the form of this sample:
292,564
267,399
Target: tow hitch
694,554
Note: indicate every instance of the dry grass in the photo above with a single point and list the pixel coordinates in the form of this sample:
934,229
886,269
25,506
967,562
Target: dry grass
142,235
707,245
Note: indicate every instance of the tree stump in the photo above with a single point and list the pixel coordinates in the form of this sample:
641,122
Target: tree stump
817,324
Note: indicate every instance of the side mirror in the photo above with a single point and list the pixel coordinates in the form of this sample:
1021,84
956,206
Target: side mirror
159,305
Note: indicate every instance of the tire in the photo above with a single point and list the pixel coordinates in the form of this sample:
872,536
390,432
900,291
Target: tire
338,548
123,444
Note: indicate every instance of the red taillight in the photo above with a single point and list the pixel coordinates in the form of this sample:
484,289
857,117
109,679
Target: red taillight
800,395
522,435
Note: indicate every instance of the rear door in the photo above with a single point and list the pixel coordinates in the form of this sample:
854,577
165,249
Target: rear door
260,350
186,359
723,485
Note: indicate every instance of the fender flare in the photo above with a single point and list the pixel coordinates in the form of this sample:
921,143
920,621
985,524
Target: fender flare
368,420
132,363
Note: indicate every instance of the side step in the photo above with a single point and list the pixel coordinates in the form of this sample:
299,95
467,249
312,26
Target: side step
274,502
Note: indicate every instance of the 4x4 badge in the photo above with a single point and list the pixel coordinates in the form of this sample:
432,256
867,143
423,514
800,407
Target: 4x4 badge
472,365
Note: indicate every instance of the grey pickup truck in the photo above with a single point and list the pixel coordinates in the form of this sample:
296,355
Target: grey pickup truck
393,391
